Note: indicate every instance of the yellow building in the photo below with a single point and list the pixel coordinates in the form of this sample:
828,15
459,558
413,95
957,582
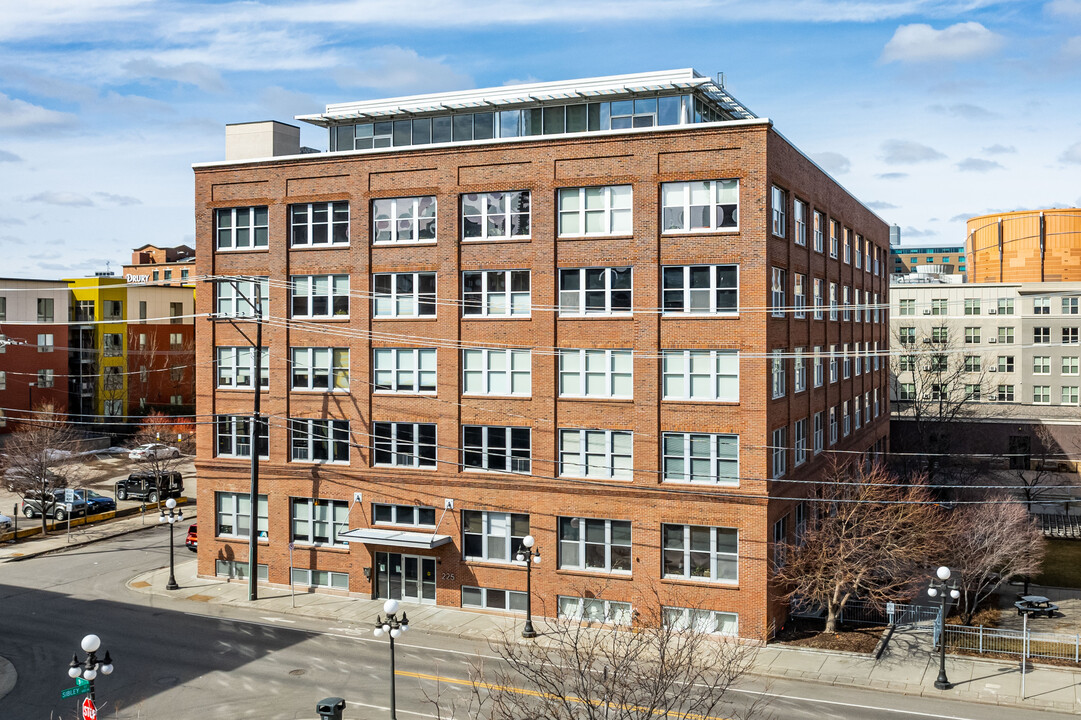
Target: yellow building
1025,246
98,346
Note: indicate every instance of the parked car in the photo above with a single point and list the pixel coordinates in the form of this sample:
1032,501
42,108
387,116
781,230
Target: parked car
153,451
96,502
7,524
54,506
192,540
150,487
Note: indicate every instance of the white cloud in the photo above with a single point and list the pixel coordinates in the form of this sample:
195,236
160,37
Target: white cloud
118,199
892,176
1064,8
906,152
978,165
1071,154
880,205
6,156
1072,46
964,110
198,74
287,103
998,149
916,233
66,199
11,221
24,20
18,114
922,43
832,162
400,68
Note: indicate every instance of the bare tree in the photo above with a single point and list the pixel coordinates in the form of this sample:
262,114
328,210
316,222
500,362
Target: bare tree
867,537
174,432
989,545
1038,468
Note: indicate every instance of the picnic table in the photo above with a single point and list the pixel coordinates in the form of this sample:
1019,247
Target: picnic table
1035,605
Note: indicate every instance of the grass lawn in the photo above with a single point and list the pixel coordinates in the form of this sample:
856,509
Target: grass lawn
1061,564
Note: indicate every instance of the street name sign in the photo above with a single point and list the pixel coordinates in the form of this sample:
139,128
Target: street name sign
74,691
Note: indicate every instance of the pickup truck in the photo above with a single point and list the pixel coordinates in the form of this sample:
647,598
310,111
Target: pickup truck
150,487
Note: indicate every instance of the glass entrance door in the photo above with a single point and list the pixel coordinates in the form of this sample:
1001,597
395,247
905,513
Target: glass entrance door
410,578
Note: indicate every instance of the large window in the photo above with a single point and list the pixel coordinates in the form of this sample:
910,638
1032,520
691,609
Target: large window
495,371
596,373
595,291
112,344
800,213
234,515
779,451
701,289
496,448
594,544
237,298
403,220
799,295
236,367
1040,335
414,515
595,610
700,206
799,434
777,375
906,306
46,379
241,228
46,312
712,622
701,458
233,436
704,375
778,206
819,297
320,296
493,536
495,215
319,522
319,368
596,454
404,370
777,292
319,440
595,210
496,293
321,223
819,231
493,599
696,552
401,444
404,294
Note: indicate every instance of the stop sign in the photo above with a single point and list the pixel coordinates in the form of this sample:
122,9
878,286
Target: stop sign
89,711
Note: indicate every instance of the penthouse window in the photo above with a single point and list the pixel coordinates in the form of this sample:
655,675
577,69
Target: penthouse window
319,368
241,228
233,436
237,298
701,458
694,552
496,371
700,289
495,215
403,220
496,448
496,293
236,367
319,440
492,536
315,224
404,370
595,291
594,544
589,211
702,206
596,373
701,375
320,296
605,454
400,444
404,294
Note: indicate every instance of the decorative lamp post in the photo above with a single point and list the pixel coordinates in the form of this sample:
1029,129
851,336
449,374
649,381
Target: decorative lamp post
393,626
529,556
88,670
173,517
947,591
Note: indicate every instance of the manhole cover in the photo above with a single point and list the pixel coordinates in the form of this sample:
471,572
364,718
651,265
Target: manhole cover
297,672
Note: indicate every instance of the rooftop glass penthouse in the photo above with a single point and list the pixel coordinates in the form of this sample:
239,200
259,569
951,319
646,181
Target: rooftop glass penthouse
618,102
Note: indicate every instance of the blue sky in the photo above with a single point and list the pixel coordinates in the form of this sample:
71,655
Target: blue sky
929,111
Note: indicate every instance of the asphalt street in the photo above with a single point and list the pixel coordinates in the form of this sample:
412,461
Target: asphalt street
180,660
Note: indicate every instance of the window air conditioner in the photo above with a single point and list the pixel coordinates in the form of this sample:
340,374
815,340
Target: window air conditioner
927,341
926,312
992,369
992,398
992,311
992,340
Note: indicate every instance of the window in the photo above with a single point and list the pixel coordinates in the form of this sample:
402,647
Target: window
319,578
701,458
237,299
495,215
780,541
906,306
777,374
779,451
972,391
490,371
602,210
45,310
703,375
400,444
858,360
240,228
846,362
1069,395
711,622
1005,393
937,363
819,301
1005,334
595,610
404,370
111,377
319,440
320,296
1005,306
493,599
45,377
799,435
819,433
492,536
940,334
403,220
1041,335
413,515
595,373
972,363
3,380
184,274
112,344
594,291
878,307
972,335
859,253
3,308
835,238
846,305
236,367
696,552
496,448
876,401
700,206
404,294
847,255
799,382
1069,305
833,425
777,299
1041,306
799,212
833,363
594,544
1069,336
496,293
819,231
234,515
1041,394
233,436
778,204
877,356
819,370
168,274
596,453
1041,365
833,301
319,522
321,223
700,289
846,419
939,306
972,306
1069,366
176,313
799,299
321,368
45,343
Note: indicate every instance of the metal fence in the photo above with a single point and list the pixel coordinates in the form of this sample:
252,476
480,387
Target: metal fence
1011,642
860,612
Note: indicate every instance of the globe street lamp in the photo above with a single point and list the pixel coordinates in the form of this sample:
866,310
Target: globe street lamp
393,626
88,670
940,588
173,517
529,556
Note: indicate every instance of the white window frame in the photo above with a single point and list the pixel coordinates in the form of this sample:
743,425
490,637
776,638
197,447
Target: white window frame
833,301
684,290
46,375
233,361
685,366
228,506
1041,364
819,297
483,303
708,622
799,297
779,452
406,223
722,194
490,365
256,222
511,542
514,600
390,377
1041,394
1069,365
45,342
819,432
819,232
799,216
616,213
717,558
334,375
778,304
833,425
567,309
685,444
405,454
231,302
799,442
799,374
615,463
579,525
587,361
778,208
514,462
595,610
239,435
777,379
398,512
304,288
819,368
306,434
395,300
337,520
1068,394
488,216
335,227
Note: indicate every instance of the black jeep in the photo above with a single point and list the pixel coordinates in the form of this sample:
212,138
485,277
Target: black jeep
150,487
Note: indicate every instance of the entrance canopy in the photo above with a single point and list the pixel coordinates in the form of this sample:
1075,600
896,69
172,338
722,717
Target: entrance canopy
394,538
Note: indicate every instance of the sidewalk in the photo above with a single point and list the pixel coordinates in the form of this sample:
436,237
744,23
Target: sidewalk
907,667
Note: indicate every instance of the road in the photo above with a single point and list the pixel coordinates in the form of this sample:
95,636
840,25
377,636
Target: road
178,660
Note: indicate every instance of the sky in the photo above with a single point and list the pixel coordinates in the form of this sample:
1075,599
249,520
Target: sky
928,111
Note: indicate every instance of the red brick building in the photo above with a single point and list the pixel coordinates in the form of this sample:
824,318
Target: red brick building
153,265
33,346
616,314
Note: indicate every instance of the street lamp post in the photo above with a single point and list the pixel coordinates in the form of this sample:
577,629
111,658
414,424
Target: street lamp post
529,556
30,397
90,668
946,591
172,517
394,626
